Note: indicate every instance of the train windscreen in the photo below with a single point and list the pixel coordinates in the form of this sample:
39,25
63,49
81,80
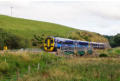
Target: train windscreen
59,42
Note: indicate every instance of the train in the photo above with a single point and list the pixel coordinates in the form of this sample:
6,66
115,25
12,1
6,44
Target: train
52,43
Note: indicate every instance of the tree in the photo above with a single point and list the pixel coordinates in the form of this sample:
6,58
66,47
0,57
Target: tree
117,39
114,40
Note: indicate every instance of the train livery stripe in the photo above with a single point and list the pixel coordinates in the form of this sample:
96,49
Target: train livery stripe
48,43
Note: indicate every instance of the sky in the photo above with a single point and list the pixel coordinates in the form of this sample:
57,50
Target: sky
101,16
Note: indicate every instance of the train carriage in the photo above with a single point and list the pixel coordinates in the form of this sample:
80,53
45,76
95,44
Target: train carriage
54,43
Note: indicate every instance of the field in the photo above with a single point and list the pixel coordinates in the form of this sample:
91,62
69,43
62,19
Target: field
28,28
49,67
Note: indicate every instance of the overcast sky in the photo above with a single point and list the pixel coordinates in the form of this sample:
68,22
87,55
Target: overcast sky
102,16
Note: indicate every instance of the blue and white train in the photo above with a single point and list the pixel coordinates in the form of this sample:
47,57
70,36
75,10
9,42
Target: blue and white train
53,43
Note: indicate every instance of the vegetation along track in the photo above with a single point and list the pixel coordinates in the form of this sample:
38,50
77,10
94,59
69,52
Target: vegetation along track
49,67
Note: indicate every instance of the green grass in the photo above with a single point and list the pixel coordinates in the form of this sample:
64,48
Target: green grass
11,63
54,68
113,52
80,69
27,28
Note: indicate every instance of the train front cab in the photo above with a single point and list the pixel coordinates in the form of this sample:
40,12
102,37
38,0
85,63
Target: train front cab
49,44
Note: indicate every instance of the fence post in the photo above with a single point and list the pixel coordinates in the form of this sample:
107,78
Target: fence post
17,75
38,67
5,60
29,68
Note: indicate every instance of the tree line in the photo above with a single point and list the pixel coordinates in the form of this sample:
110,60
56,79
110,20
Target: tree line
114,40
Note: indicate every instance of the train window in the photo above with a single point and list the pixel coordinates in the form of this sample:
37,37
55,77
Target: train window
83,43
59,42
68,42
46,41
94,45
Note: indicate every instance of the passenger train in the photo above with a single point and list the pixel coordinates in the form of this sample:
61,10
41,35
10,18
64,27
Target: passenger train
54,43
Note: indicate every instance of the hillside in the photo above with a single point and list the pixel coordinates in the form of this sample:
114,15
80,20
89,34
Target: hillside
28,28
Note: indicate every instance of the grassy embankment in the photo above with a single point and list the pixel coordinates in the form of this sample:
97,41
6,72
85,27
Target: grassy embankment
28,28
113,52
48,67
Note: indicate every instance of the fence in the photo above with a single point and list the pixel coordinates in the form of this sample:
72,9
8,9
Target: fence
67,50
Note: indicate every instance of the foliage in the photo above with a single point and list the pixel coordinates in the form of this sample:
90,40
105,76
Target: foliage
117,39
87,36
54,68
12,41
12,63
38,40
80,69
4,67
103,55
113,52
114,40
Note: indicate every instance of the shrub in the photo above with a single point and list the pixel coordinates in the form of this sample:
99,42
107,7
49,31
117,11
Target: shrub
38,40
4,67
12,41
103,55
117,51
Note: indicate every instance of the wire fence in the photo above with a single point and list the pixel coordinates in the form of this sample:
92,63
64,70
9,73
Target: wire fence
22,51
67,50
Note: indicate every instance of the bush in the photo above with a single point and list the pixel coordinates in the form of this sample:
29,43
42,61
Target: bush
38,40
4,67
12,41
103,55
114,40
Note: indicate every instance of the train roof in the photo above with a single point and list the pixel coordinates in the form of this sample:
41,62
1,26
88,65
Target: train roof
96,43
82,41
66,39
62,39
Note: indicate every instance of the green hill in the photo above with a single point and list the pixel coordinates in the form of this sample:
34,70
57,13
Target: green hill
28,28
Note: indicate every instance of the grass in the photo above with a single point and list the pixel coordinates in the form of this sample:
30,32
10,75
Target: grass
11,63
27,28
80,69
54,68
113,52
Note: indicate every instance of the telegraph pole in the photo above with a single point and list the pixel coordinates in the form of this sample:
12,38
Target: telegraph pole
11,8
